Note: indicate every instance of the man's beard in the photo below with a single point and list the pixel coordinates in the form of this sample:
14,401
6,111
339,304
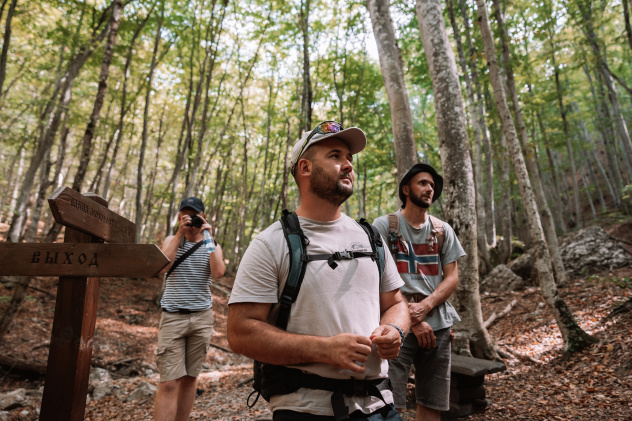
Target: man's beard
417,200
333,191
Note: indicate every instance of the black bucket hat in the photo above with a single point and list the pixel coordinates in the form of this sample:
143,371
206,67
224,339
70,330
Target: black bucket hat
416,169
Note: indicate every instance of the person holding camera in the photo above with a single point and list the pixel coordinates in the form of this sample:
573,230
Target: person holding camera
186,322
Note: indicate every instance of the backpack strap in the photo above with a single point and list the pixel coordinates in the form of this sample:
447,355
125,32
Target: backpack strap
296,242
184,256
437,234
376,245
394,236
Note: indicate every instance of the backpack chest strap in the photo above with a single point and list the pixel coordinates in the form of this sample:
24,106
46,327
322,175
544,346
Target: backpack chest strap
339,255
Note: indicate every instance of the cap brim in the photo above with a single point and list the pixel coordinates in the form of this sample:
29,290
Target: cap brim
353,137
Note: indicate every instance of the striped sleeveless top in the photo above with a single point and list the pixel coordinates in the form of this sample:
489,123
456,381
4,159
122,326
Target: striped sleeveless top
188,286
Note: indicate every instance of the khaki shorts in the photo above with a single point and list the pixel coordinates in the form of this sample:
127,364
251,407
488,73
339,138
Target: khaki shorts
183,342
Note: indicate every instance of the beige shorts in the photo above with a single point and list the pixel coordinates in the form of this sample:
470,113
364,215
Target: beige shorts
183,342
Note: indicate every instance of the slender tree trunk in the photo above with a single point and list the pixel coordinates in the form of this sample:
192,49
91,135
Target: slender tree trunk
286,171
590,201
99,180
471,336
542,203
271,96
505,245
490,225
574,337
22,283
86,141
5,44
141,159
601,112
306,97
585,10
477,158
49,133
626,19
393,76
567,136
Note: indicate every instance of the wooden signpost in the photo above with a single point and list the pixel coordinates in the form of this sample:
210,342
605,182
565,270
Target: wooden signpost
79,262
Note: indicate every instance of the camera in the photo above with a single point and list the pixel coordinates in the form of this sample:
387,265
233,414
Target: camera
196,221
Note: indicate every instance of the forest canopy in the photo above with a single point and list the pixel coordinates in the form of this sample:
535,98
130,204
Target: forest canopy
205,97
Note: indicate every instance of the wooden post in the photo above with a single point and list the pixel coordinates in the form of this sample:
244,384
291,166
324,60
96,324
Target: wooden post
79,263
68,368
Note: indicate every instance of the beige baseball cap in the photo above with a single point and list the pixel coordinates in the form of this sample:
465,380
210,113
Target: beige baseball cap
354,138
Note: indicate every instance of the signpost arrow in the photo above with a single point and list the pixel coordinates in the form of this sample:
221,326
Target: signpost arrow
74,210
81,259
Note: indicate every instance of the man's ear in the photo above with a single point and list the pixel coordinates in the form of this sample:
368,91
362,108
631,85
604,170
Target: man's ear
303,167
406,190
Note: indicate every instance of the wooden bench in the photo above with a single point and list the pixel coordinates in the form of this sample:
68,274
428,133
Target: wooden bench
467,387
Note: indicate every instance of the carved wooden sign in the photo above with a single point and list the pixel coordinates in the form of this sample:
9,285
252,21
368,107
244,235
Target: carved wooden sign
73,209
81,259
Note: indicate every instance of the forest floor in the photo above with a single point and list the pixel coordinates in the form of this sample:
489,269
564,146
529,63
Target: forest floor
541,382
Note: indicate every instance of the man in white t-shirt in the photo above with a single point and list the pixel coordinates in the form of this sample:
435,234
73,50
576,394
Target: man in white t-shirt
345,322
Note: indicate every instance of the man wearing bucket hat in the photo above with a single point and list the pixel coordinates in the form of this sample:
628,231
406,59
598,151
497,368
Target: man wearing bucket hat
426,251
329,362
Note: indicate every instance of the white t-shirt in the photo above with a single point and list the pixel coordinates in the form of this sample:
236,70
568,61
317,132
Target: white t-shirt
330,302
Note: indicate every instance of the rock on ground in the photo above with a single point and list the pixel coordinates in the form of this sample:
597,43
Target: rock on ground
592,249
13,399
524,267
501,279
100,383
143,391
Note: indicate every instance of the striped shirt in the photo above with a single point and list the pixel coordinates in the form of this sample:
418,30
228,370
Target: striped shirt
188,286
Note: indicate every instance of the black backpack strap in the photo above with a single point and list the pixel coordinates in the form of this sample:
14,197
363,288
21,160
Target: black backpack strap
339,255
376,244
296,242
184,256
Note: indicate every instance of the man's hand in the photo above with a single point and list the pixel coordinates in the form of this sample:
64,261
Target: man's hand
346,351
418,311
387,340
425,335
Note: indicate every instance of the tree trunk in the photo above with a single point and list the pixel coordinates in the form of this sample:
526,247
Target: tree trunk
262,204
306,97
590,201
49,133
22,282
393,76
477,158
5,44
472,337
567,136
141,159
86,141
574,337
505,245
585,10
543,206
626,18
490,225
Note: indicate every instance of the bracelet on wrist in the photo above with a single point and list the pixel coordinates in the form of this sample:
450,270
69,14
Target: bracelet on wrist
402,334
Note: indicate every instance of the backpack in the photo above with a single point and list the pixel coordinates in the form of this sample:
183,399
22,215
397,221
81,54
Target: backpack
437,235
270,379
